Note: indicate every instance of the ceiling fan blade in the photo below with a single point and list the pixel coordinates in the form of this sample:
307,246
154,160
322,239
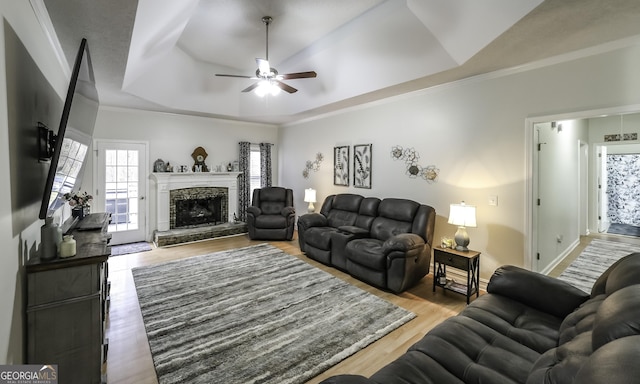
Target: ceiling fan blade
298,75
263,66
241,76
251,87
285,87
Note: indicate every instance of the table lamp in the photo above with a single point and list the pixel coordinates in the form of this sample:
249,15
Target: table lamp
310,197
463,216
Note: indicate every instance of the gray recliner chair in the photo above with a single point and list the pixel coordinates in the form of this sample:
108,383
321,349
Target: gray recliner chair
271,215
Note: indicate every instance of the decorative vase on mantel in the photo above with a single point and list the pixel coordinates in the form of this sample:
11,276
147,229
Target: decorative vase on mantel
80,211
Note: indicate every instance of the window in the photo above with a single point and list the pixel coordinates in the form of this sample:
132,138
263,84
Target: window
254,169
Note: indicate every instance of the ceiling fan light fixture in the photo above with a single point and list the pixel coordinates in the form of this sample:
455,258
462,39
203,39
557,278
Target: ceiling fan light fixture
266,87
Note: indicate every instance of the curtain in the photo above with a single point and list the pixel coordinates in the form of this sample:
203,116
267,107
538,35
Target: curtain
244,200
265,165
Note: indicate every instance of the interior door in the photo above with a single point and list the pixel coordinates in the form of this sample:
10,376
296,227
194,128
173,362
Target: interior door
121,188
546,246
603,203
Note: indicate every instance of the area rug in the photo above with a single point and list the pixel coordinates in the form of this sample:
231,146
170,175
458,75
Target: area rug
125,249
624,229
254,315
593,260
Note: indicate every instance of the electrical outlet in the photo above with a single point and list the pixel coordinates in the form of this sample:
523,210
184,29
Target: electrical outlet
493,200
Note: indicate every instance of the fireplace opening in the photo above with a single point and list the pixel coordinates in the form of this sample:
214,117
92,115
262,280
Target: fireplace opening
191,212
198,206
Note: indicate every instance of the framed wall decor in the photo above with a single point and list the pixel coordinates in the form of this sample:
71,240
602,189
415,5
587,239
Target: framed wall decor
362,166
341,166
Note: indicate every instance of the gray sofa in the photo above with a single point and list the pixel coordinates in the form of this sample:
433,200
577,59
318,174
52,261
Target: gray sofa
534,329
386,243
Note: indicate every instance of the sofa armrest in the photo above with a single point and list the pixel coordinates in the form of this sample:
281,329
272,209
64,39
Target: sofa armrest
312,220
404,242
288,211
255,211
536,290
347,379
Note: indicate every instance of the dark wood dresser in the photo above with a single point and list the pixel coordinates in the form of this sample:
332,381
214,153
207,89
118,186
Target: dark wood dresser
67,304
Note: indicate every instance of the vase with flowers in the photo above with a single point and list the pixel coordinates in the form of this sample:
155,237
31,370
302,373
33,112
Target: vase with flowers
80,203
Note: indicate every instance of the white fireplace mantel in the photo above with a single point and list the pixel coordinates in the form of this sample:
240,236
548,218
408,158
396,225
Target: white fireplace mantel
169,181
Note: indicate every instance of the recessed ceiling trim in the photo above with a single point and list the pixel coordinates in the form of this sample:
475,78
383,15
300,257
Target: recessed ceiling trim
559,59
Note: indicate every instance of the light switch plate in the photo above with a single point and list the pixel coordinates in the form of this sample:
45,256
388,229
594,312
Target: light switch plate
493,200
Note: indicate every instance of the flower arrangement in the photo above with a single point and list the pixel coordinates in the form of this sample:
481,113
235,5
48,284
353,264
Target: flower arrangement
80,199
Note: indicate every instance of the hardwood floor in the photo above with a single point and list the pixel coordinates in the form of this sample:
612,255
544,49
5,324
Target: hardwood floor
129,358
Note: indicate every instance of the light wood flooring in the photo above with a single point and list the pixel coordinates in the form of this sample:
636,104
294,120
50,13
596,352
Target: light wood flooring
129,357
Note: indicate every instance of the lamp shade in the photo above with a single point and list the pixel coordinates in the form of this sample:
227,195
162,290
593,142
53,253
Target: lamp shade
462,215
309,195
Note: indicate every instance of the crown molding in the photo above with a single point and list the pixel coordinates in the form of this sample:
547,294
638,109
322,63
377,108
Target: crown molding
40,11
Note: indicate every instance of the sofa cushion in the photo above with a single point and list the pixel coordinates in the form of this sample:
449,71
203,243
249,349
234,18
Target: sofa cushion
398,209
614,363
272,200
367,252
533,328
581,320
395,216
271,222
474,353
412,367
319,237
367,212
623,276
618,316
561,365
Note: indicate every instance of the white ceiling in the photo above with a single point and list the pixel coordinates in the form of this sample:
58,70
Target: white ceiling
163,54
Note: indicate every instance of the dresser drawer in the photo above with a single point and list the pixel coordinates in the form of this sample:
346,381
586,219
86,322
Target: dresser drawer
63,284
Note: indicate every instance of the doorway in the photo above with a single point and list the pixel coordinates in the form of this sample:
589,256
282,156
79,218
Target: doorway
566,224
122,188
561,174
618,205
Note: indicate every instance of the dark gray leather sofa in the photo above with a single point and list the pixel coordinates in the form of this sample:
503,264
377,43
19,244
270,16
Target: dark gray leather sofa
386,243
533,329
271,215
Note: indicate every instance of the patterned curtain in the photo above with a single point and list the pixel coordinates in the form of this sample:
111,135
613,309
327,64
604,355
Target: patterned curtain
244,185
265,165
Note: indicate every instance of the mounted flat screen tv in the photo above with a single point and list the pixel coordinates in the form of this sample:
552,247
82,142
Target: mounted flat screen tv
70,145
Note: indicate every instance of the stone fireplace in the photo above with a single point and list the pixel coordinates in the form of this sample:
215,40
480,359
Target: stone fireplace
195,206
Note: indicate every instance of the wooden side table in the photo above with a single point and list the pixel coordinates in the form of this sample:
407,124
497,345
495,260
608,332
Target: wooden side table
467,261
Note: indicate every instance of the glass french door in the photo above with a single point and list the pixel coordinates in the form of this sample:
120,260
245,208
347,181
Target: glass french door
121,189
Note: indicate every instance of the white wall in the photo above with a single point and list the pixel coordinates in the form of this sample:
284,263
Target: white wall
173,138
17,247
557,168
474,131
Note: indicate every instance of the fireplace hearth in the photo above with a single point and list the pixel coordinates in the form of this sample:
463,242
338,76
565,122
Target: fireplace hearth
195,206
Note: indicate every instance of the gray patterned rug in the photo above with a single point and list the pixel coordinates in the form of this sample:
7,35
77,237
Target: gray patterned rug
254,315
125,249
595,259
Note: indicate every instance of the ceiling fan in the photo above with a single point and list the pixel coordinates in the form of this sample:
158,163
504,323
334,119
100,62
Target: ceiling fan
269,77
